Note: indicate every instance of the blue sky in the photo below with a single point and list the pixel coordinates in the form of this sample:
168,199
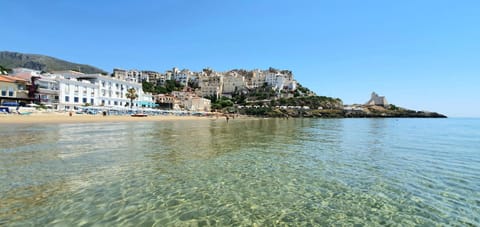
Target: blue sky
423,55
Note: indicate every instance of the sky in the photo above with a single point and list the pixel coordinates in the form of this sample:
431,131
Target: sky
422,55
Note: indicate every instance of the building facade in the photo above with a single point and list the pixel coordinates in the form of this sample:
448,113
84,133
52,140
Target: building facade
377,100
12,89
98,90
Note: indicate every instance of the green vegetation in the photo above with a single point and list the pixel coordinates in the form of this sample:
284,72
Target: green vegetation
302,91
313,102
148,87
172,85
393,107
168,87
221,103
260,111
4,71
132,95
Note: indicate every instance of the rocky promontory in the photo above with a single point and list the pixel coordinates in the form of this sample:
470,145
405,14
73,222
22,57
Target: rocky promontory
328,107
347,112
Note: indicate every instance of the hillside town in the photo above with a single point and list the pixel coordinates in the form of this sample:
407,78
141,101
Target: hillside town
266,93
174,89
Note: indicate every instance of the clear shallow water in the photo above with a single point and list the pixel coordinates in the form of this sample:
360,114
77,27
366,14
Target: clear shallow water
398,172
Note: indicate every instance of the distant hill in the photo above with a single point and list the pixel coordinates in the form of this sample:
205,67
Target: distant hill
42,63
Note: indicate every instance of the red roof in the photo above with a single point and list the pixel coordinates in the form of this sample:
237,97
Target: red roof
24,75
11,79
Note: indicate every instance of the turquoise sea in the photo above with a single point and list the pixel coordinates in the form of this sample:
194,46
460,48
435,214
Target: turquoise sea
248,172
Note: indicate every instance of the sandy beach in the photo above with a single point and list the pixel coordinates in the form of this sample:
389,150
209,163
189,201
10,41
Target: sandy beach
44,118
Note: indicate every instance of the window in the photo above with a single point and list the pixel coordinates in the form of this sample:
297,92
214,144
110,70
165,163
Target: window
75,99
115,103
67,99
84,100
91,101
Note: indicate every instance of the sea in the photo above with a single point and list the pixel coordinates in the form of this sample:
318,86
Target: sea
245,172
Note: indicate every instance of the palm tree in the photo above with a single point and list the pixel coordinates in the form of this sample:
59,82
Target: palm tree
131,94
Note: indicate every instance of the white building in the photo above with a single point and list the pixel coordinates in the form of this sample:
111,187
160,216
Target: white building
182,76
74,92
77,89
276,80
257,79
211,85
162,78
134,76
151,76
233,82
48,90
197,104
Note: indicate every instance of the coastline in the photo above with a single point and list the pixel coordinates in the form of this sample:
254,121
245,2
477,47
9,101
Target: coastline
53,118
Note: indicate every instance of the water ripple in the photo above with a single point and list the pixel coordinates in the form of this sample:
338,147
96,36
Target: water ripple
398,172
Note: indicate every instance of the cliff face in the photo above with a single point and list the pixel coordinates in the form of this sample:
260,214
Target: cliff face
42,63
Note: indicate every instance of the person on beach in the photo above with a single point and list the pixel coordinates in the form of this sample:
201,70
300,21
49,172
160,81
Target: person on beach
227,117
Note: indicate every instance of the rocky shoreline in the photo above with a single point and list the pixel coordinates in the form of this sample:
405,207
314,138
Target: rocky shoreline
357,112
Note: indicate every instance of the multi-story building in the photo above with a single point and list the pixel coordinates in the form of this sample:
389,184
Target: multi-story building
78,89
134,76
12,89
190,101
256,80
197,104
233,82
146,100
182,76
211,85
164,77
151,76
74,92
278,81
47,90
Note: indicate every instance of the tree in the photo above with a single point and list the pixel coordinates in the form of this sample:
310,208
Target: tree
4,71
148,87
131,94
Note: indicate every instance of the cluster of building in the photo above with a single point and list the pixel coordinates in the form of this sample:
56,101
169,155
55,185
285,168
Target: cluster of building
67,90
208,83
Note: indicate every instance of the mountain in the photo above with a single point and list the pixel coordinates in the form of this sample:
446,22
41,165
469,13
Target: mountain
42,63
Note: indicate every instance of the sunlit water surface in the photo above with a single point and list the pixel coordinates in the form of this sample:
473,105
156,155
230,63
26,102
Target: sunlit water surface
398,172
